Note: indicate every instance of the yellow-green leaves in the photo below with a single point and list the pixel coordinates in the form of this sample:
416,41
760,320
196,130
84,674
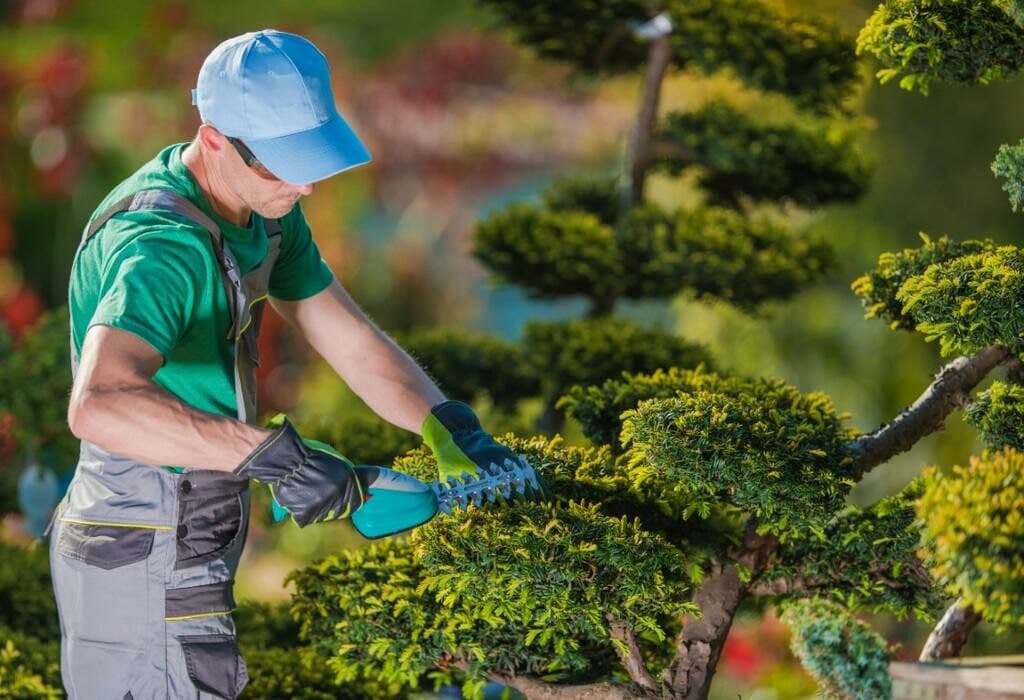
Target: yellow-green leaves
879,289
963,41
761,447
969,302
998,412
974,533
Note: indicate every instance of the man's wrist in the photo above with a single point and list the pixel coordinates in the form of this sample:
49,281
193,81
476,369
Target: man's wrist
278,451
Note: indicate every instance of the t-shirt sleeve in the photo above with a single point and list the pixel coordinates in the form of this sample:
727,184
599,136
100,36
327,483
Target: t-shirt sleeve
299,272
152,288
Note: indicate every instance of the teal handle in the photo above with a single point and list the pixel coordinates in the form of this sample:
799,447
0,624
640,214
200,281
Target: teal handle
279,511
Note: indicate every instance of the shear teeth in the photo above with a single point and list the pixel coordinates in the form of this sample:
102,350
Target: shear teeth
511,477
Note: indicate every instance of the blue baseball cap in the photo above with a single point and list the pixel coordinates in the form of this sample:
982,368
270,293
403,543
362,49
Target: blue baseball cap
272,90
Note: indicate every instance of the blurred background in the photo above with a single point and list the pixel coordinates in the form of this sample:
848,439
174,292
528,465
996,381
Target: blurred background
461,120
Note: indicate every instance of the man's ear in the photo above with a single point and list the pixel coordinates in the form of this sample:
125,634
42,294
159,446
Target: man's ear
211,139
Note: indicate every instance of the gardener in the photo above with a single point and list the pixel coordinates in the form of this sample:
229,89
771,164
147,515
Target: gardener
166,294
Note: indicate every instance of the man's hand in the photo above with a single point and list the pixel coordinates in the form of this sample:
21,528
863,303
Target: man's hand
312,484
460,444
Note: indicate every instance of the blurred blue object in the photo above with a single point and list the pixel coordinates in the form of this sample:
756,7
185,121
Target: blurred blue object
492,691
38,493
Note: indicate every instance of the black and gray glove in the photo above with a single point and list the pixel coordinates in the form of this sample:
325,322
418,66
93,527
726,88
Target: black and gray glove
311,484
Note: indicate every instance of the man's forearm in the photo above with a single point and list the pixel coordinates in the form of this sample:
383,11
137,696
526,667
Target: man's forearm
377,370
145,422
389,381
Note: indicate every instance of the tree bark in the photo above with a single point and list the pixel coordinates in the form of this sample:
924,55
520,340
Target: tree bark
658,57
700,642
950,390
699,645
632,660
951,633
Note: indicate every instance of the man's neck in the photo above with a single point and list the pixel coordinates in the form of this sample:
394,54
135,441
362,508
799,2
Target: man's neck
223,201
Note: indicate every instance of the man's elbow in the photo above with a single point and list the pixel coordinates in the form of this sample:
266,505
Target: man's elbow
83,410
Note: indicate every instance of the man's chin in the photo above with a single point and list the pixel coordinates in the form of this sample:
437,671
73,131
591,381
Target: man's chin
275,211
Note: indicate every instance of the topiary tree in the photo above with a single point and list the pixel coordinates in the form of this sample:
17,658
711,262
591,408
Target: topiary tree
598,237
700,490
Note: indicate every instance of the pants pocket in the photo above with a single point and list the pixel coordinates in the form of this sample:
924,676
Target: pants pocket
214,664
211,517
101,579
106,546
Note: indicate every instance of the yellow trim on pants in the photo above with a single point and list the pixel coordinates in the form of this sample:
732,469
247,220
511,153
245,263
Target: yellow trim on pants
100,522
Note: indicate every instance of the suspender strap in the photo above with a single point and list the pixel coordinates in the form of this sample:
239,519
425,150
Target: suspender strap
273,227
169,200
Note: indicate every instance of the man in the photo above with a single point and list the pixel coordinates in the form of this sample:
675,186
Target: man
166,295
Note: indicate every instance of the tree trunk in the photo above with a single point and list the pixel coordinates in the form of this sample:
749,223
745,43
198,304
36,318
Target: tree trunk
658,57
951,633
701,641
552,420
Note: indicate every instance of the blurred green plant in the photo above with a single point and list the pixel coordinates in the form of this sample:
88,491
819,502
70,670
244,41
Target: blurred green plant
849,660
29,667
1009,164
740,157
35,380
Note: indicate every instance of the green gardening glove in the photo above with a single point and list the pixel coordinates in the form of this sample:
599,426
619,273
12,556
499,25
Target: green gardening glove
460,444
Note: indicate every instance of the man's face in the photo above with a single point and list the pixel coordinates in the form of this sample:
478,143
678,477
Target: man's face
261,191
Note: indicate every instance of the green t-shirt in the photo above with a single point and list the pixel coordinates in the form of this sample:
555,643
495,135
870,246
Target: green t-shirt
154,274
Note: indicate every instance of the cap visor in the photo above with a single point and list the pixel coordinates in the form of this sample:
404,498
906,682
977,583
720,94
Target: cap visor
308,156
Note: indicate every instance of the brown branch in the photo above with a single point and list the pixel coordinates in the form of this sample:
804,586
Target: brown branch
534,688
658,57
950,390
700,641
786,585
950,634
632,660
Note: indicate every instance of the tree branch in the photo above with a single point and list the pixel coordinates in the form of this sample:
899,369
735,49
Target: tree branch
534,688
950,390
658,57
786,585
632,660
950,634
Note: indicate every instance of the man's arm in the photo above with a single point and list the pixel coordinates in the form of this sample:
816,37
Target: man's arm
116,405
377,370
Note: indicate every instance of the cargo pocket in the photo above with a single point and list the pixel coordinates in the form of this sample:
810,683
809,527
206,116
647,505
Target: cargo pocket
101,568
211,517
214,664
105,546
